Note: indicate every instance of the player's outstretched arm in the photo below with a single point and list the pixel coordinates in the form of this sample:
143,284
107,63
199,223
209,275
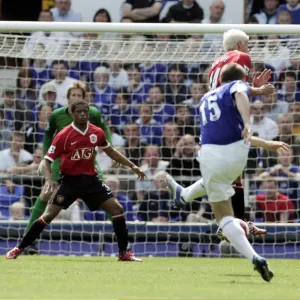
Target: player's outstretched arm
121,159
266,89
274,146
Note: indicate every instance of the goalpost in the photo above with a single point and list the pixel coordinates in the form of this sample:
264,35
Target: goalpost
155,48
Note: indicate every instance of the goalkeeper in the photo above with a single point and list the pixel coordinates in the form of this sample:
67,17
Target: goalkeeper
59,119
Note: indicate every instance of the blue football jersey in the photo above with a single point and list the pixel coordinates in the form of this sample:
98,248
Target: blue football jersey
220,120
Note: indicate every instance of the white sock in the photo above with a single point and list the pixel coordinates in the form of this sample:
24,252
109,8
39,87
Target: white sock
235,234
193,191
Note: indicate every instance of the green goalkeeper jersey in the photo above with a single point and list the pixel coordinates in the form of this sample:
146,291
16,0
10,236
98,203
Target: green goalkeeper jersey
60,118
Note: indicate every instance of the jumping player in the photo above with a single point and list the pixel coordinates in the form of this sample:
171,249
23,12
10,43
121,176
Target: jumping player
76,145
235,43
225,143
59,119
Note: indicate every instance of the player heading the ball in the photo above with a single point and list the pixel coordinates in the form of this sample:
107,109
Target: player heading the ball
75,145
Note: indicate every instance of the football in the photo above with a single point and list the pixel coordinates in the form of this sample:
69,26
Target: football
245,227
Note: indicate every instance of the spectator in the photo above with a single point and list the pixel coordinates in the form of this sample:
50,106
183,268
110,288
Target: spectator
213,42
150,130
114,184
48,98
89,95
276,55
118,77
5,133
17,211
216,9
289,91
185,11
26,92
32,167
134,147
9,194
151,165
104,97
122,112
254,6
162,112
142,10
197,91
285,125
137,89
284,17
106,162
252,20
175,90
48,40
15,115
61,81
274,206
274,107
130,43
285,169
157,205
294,109
41,72
102,16
186,122
49,95
75,67
169,140
293,7
265,127
62,12
91,41
267,15
116,139
184,162
15,155
35,133
153,73
45,16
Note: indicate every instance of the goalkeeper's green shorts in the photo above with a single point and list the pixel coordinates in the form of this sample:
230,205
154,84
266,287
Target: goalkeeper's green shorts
56,174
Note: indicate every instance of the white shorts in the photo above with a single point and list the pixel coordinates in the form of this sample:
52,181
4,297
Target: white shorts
220,167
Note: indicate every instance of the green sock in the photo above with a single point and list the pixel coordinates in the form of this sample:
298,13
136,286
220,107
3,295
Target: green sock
37,210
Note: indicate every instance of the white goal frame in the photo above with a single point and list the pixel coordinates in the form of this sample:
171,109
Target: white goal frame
9,26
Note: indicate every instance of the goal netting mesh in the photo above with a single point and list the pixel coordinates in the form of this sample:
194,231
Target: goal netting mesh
148,89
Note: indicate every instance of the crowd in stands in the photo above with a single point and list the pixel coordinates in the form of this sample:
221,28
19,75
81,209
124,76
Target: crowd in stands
152,110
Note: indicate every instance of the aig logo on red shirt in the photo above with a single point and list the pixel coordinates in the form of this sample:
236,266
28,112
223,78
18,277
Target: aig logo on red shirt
83,153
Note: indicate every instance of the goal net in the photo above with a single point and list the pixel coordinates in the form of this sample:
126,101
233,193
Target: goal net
148,88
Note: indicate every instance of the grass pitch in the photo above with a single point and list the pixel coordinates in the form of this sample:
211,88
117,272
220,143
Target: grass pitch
156,278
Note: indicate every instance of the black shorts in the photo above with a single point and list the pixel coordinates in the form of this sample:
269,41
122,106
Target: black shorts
88,188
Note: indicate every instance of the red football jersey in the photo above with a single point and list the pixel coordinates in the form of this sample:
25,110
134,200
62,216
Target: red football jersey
235,56
76,149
